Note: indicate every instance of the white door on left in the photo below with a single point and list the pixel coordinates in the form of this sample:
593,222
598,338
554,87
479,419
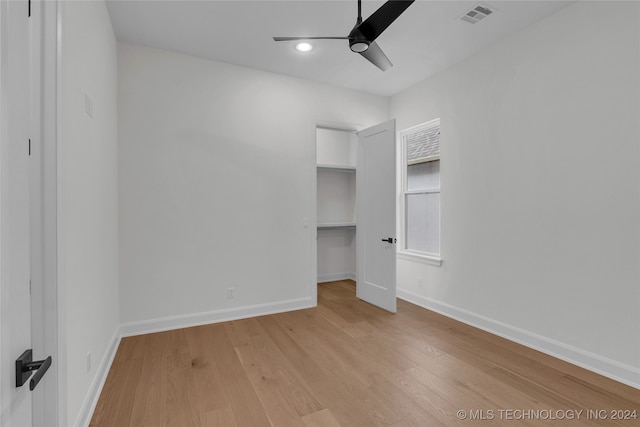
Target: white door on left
15,122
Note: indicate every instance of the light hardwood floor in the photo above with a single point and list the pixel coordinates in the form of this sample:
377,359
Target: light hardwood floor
347,363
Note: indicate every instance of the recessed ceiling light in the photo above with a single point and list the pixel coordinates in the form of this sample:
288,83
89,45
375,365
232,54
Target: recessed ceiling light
304,47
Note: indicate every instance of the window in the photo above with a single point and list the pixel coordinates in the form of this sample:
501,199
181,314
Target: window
421,192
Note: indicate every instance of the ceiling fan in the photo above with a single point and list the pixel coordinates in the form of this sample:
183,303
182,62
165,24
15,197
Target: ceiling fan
362,36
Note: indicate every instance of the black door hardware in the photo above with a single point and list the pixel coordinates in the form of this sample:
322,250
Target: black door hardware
389,240
24,366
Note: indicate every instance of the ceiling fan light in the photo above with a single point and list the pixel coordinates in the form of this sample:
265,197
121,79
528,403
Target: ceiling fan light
359,46
304,47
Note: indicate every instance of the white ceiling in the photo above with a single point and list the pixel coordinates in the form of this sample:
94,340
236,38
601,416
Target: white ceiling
426,39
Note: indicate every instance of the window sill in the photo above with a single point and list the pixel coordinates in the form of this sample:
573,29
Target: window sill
421,258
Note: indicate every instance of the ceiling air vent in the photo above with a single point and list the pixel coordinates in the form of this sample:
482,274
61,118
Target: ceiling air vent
478,13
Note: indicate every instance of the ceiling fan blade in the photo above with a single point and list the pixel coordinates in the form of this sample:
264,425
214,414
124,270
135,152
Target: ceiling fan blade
286,39
376,56
375,24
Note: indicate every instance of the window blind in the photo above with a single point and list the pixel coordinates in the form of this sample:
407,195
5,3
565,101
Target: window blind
423,145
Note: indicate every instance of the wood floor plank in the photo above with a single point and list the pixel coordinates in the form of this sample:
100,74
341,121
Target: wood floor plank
218,418
246,406
413,412
332,316
322,418
116,402
317,342
241,331
331,349
206,381
149,405
247,409
345,363
547,398
270,372
181,404
131,348
462,396
339,394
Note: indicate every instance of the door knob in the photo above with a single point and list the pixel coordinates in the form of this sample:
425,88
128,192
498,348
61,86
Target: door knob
389,240
24,366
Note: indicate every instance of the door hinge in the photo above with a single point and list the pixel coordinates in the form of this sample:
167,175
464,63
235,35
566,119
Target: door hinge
29,286
29,146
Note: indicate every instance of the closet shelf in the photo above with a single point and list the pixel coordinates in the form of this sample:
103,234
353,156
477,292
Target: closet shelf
327,225
337,168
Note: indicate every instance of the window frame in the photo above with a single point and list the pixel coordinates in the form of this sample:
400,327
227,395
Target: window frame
403,252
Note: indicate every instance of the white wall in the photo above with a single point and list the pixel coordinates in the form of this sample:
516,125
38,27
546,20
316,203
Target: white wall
88,198
336,147
336,254
540,183
216,164
336,196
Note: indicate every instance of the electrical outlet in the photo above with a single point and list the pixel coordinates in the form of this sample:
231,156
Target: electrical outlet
420,282
88,362
231,292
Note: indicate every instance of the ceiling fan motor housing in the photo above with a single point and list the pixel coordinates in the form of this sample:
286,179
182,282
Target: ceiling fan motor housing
358,46
357,42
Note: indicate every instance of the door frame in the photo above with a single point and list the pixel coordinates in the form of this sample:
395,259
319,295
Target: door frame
47,27
313,222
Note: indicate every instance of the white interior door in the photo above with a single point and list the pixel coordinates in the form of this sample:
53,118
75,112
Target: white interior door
21,221
15,289
376,210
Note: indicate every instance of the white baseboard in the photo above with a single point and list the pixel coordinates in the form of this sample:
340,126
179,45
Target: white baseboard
609,368
334,277
91,400
197,319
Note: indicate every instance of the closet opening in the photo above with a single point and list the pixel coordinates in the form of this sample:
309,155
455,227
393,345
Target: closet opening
336,152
